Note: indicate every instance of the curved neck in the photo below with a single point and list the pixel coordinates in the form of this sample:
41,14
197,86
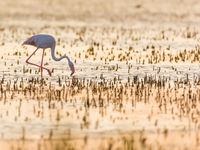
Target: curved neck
55,58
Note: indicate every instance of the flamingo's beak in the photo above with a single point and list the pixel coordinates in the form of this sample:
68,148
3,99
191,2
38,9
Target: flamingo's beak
24,43
72,69
29,41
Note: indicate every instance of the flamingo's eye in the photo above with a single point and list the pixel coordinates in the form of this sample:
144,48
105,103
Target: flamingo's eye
32,42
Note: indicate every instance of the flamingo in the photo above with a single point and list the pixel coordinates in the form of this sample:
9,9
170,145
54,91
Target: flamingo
45,41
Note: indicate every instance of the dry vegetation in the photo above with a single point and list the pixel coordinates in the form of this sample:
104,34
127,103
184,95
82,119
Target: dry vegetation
136,84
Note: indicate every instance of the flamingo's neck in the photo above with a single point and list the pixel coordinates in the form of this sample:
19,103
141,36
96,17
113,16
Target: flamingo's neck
54,57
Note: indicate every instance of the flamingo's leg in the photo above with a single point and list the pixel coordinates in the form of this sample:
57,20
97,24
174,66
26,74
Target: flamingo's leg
27,61
42,64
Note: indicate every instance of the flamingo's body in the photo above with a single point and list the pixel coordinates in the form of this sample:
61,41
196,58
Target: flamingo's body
45,41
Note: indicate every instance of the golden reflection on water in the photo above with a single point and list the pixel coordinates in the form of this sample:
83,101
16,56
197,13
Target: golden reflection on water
136,84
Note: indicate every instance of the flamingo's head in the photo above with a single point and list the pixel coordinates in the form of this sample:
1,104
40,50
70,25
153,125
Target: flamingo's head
71,65
29,41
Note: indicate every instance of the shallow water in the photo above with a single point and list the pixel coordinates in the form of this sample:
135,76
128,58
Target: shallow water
150,48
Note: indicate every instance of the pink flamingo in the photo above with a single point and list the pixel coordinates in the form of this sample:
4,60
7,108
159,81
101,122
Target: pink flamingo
45,41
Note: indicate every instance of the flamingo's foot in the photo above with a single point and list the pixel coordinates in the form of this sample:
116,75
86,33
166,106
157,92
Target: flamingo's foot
49,72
